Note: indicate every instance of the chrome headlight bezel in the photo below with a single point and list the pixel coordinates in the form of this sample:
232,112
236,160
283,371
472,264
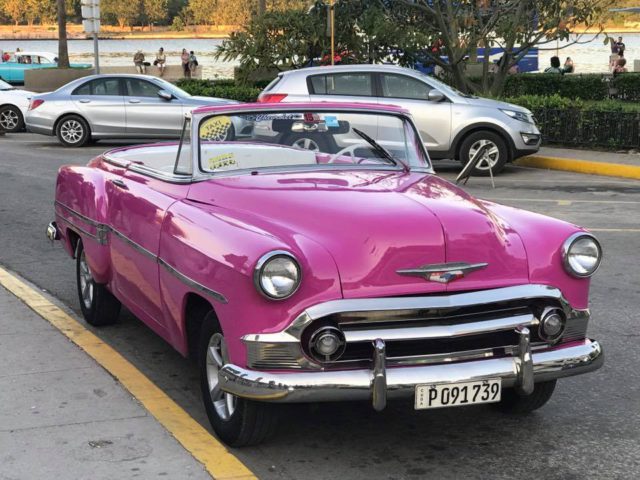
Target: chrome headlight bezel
259,274
570,243
518,115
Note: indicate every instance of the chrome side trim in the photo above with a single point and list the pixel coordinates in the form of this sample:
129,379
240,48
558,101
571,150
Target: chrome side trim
440,331
342,385
78,229
102,236
192,283
139,248
85,219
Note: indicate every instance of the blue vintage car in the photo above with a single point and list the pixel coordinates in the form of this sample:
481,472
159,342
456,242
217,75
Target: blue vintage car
13,70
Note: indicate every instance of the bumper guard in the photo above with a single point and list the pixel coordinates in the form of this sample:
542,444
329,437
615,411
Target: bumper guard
520,371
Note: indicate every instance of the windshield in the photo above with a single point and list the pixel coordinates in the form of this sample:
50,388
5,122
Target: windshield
170,87
5,86
308,139
443,86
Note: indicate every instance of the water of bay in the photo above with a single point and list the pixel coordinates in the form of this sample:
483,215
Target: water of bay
590,57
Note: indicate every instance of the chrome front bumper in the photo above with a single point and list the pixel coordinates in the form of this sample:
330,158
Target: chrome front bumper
520,371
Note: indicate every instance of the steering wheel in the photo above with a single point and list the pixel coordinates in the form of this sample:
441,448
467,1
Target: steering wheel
347,150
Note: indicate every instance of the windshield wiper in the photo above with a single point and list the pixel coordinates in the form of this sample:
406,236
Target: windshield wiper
381,150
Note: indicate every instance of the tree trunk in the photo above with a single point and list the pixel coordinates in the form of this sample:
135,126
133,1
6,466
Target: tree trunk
63,50
262,6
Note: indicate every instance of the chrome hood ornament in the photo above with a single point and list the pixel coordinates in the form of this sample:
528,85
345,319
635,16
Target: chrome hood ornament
442,272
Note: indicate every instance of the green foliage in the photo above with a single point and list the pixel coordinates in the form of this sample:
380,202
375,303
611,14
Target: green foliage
575,122
585,87
177,25
221,88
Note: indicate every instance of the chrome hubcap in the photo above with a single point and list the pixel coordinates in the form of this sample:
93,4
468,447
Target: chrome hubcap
9,119
71,131
490,157
86,282
306,144
223,403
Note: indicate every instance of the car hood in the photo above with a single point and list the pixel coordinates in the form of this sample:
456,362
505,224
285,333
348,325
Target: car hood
374,223
488,102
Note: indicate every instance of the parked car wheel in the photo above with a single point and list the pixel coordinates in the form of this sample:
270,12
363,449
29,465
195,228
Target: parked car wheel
495,156
73,131
11,119
303,141
99,306
237,421
513,402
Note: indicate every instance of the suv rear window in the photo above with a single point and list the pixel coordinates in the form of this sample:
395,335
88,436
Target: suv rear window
341,84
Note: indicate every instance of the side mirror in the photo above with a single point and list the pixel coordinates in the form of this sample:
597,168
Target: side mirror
435,95
163,94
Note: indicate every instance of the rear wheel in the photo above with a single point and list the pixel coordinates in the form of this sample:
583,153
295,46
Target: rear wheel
495,155
99,306
513,402
11,119
73,131
237,421
315,143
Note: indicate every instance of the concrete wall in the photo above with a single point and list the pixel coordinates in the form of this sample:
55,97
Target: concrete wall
49,79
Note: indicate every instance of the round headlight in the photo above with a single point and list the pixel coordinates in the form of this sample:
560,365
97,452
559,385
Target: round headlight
277,275
581,254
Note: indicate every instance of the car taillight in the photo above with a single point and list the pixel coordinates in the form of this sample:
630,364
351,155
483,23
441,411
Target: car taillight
271,97
35,103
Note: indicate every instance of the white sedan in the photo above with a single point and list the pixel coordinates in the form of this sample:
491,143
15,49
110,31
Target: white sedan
14,104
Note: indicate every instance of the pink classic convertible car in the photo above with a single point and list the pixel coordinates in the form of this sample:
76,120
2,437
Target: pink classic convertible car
320,259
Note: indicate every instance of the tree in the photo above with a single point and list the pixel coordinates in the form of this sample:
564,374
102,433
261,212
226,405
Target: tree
154,10
63,49
14,9
126,12
459,27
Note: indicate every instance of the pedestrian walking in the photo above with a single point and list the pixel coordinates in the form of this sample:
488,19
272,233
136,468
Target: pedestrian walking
555,66
193,63
184,58
160,61
138,61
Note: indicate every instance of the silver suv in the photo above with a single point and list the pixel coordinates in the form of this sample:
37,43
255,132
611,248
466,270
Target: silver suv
452,124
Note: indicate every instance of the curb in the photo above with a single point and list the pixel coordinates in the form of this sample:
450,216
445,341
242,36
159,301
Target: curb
580,166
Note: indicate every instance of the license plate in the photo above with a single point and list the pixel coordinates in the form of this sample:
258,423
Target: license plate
440,395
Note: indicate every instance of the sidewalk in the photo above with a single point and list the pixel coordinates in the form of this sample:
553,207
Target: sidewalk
63,416
612,164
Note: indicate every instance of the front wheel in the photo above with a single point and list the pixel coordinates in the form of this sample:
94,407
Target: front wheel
73,131
99,306
237,421
495,154
513,402
11,119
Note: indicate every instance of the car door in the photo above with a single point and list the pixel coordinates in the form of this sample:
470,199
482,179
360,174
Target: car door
149,115
137,206
101,102
433,119
348,87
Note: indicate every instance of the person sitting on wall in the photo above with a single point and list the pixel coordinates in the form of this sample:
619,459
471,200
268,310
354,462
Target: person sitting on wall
621,66
138,61
555,66
568,66
160,61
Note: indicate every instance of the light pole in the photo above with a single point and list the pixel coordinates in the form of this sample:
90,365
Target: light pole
332,28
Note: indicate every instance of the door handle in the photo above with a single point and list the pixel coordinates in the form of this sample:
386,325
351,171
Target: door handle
134,100
85,100
120,184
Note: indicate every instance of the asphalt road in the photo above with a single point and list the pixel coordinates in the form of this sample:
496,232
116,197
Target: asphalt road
590,428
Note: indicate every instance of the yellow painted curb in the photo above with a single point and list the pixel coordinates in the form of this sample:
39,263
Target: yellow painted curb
217,460
580,166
